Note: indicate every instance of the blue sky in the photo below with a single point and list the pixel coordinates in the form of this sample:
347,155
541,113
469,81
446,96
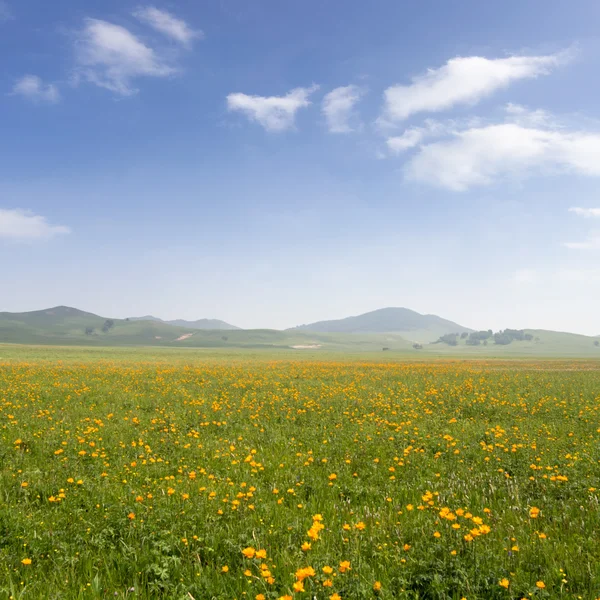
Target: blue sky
274,163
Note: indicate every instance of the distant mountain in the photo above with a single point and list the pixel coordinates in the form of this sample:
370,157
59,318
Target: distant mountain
206,324
413,325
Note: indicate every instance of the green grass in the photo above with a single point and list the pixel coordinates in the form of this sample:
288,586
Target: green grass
172,462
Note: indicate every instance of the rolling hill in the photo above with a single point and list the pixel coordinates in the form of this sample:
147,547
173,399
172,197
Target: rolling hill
412,325
65,326
206,324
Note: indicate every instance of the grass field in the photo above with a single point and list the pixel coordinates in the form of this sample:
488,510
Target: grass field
174,474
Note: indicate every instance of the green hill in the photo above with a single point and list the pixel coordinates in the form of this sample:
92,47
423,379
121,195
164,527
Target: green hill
63,325
412,325
198,324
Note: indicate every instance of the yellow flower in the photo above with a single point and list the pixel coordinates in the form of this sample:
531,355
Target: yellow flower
332,477
504,583
302,574
328,583
345,566
131,516
437,534
306,547
335,597
377,586
224,569
249,552
327,570
406,547
26,561
360,526
260,597
261,554
540,584
534,512
298,587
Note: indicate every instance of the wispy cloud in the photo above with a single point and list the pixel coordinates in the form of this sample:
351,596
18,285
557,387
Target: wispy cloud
5,12
338,107
463,80
112,57
413,136
274,113
23,225
167,24
484,154
592,242
33,88
588,213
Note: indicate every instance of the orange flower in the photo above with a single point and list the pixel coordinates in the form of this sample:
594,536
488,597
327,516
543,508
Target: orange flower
345,566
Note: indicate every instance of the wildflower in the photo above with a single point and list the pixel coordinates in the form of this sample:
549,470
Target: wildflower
302,574
540,584
504,583
260,597
249,552
261,554
328,583
360,526
345,566
332,477
377,586
306,547
224,569
534,512
327,570
298,586
26,561
437,534
335,597
131,516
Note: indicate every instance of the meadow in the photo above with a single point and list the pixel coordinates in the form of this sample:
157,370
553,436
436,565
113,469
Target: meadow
188,475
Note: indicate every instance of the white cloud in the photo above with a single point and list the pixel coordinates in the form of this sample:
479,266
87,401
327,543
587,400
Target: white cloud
483,155
338,107
23,225
585,212
33,88
167,24
111,57
274,113
463,80
591,243
415,135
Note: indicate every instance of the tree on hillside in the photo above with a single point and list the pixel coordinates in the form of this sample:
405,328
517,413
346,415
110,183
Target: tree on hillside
450,338
108,325
464,335
417,346
89,330
596,343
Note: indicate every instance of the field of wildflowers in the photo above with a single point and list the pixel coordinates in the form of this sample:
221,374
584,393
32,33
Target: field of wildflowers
270,479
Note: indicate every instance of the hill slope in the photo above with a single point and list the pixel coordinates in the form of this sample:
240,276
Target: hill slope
207,324
414,326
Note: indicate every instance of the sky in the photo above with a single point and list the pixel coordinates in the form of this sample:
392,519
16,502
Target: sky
276,163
